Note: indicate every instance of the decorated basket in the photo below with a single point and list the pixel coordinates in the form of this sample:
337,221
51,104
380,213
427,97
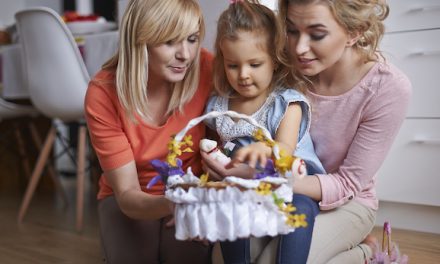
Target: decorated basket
235,207
389,253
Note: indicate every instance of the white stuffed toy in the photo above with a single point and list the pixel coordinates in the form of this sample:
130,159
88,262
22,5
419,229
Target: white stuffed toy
210,147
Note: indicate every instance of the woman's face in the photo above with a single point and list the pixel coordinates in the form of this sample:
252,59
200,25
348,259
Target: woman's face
315,40
169,62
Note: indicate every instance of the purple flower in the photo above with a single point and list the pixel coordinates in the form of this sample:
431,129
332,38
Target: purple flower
269,170
165,170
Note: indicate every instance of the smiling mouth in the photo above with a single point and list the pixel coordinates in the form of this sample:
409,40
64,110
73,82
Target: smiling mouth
245,85
305,61
178,69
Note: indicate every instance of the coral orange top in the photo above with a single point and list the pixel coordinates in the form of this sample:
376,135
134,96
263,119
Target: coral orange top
117,140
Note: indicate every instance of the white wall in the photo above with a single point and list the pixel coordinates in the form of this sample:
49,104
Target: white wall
212,10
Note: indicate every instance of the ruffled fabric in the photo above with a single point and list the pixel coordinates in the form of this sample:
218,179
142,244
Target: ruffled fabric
227,214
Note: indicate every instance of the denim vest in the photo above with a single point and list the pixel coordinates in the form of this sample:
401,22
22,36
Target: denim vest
270,116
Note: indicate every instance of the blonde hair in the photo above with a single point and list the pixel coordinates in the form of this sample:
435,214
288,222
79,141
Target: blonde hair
251,16
363,17
148,23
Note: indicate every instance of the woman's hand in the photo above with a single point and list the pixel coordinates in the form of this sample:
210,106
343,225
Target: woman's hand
218,172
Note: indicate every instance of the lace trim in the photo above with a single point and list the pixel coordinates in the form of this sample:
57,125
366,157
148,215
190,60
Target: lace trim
229,130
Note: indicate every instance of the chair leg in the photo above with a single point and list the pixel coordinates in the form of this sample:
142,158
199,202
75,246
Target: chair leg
36,174
81,157
22,152
50,169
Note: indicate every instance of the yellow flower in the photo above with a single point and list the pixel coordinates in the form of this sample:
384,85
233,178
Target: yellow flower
284,163
187,150
188,140
174,147
171,159
259,136
288,208
204,178
297,220
264,188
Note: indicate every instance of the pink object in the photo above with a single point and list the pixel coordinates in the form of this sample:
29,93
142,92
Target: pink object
389,253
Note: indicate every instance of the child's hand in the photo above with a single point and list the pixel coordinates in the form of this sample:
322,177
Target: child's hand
252,154
218,171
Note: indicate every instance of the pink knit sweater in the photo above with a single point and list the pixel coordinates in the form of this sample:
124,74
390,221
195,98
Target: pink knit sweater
353,133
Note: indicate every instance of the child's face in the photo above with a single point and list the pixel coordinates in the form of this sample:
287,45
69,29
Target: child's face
248,66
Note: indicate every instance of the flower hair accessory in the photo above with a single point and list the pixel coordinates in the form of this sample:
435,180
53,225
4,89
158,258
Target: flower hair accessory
235,1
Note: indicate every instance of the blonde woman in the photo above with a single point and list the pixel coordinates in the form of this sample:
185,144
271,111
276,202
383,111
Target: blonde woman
158,81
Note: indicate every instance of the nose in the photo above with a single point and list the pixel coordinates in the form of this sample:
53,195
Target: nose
302,45
243,73
182,52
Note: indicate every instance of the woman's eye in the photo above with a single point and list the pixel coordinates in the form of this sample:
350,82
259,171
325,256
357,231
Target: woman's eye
318,36
193,38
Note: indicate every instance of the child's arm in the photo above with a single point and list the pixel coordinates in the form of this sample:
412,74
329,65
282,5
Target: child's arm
286,136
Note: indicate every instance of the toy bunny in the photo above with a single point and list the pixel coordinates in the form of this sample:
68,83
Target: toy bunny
210,147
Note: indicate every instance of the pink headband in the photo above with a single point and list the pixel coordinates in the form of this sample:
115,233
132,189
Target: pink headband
235,1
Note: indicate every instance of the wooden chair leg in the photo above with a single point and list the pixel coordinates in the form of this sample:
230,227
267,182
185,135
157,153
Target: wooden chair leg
36,174
50,169
81,157
22,152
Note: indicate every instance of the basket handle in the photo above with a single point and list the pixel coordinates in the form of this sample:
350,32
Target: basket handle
195,121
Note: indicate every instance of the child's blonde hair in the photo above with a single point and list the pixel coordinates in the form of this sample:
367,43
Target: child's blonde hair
147,23
251,16
363,17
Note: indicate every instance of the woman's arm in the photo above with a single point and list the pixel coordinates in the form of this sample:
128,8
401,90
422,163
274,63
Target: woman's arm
286,137
131,199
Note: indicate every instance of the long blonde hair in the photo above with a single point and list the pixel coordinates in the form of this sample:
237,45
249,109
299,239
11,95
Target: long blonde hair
148,23
364,17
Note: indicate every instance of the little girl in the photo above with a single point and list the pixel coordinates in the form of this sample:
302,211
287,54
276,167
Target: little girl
251,77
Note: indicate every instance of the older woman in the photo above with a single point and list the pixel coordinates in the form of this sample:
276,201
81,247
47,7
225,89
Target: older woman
158,81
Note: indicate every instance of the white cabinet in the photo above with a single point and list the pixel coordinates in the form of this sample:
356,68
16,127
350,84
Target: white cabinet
411,172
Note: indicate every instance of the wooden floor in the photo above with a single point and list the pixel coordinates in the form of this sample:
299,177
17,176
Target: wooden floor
48,234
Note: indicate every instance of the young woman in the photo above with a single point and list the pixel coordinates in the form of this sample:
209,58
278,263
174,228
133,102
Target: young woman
158,81
359,101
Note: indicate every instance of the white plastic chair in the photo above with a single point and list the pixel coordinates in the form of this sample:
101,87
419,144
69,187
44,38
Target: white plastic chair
57,79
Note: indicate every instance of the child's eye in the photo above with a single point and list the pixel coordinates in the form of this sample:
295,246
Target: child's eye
255,65
231,66
292,32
